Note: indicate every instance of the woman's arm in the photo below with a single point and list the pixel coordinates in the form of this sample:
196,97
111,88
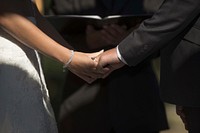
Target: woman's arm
26,32
44,25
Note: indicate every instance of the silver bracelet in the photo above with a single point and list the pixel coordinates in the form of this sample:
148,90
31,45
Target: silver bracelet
69,61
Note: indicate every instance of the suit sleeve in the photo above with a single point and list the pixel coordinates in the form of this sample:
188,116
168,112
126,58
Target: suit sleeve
170,20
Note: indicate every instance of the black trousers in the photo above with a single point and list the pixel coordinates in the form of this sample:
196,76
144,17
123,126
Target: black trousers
193,119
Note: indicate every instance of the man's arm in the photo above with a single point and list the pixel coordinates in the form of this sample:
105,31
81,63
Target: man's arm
153,34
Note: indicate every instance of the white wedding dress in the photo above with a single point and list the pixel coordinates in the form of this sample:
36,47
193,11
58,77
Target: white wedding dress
24,99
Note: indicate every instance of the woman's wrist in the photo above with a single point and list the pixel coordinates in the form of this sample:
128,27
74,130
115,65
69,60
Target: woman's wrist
66,64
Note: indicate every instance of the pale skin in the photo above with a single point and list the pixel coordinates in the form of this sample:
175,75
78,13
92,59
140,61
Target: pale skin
13,20
109,61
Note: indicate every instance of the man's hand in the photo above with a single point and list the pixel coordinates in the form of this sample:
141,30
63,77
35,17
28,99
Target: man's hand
108,62
84,66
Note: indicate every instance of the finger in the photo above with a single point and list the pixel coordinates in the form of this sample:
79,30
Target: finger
102,71
106,74
109,69
98,74
95,54
88,79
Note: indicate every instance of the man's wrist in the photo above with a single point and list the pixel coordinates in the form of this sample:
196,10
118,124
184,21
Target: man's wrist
120,56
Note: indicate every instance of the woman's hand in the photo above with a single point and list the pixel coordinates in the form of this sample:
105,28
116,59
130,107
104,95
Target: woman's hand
84,66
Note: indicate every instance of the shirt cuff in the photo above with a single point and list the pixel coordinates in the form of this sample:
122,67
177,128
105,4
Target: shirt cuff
120,56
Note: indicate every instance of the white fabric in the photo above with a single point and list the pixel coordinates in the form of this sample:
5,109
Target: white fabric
24,99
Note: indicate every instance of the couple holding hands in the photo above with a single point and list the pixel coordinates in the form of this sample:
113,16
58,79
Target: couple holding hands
104,63
173,29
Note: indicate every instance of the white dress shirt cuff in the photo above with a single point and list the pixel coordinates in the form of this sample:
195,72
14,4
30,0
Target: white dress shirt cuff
120,56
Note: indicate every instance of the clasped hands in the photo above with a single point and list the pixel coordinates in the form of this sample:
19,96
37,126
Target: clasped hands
92,66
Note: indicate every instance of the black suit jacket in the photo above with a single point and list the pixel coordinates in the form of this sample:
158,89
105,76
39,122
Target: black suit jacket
175,30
